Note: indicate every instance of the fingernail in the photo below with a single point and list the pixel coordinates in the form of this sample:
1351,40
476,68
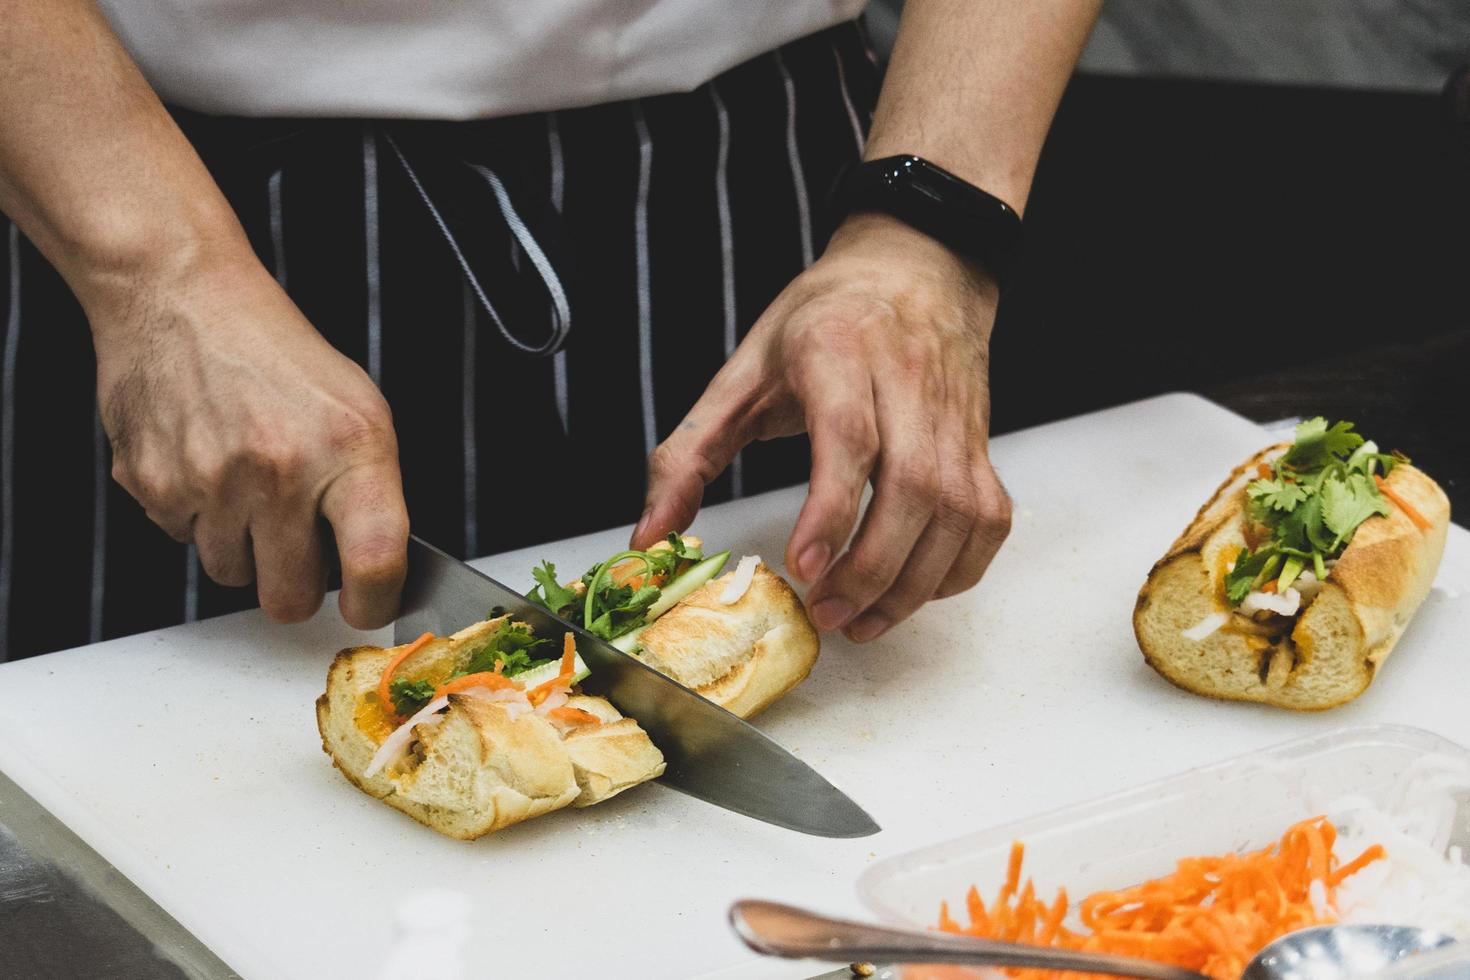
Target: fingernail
868,627
642,524
829,614
813,561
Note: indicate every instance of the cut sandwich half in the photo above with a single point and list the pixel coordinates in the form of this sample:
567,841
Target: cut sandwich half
483,755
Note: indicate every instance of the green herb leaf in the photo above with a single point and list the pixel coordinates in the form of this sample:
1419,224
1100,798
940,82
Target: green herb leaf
623,611
1317,445
1348,502
1302,530
409,696
1277,494
511,644
683,549
1248,566
549,592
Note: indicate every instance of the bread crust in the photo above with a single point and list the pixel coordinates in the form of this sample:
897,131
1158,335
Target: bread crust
1337,643
743,655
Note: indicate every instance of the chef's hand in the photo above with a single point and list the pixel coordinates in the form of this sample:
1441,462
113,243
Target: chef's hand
879,351
235,425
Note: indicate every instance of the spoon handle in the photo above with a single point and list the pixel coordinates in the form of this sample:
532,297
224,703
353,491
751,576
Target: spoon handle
784,930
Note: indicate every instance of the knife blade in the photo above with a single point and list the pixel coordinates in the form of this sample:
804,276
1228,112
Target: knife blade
709,753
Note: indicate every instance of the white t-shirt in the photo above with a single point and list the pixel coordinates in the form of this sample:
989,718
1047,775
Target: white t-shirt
446,59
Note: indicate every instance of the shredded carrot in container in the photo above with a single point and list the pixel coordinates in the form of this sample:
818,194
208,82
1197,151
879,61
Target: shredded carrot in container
1211,915
383,682
1408,508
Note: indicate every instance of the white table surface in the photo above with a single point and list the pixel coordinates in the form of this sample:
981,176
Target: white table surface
189,757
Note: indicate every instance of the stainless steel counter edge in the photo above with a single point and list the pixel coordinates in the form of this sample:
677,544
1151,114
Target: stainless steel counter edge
49,851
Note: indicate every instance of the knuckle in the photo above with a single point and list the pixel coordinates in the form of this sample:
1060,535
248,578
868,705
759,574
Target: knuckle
362,427
956,513
917,480
996,518
854,429
661,461
868,572
276,460
375,562
154,486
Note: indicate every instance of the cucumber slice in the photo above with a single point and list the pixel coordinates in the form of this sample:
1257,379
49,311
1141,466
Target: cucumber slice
685,584
537,676
628,642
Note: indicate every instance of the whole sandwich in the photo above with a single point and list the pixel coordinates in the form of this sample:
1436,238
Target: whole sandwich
1293,583
488,727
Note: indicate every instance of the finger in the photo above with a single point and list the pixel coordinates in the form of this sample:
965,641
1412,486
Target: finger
842,422
290,574
992,525
938,546
697,452
370,522
222,539
177,525
905,494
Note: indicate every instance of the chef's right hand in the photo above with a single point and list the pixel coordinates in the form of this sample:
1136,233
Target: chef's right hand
236,426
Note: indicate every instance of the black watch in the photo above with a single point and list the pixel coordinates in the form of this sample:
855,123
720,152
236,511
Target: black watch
972,223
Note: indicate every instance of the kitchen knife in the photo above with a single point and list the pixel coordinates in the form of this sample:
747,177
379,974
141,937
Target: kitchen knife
709,753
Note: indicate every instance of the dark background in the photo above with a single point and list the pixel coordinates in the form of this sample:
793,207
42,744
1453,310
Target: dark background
1284,250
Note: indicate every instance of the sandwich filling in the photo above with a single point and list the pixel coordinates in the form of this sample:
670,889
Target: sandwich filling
618,598
1301,513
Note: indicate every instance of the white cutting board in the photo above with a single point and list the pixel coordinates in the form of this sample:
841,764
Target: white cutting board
189,757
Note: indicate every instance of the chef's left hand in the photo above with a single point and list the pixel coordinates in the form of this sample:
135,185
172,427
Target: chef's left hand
880,352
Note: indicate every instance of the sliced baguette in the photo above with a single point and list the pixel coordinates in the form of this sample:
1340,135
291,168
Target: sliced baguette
479,769
743,655
1339,641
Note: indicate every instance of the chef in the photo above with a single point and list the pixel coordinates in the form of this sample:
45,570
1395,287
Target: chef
481,262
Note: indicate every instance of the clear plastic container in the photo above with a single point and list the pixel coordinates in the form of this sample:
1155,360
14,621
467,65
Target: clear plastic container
1138,834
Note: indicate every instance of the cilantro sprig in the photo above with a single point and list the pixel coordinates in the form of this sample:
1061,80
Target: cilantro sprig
1317,495
605,607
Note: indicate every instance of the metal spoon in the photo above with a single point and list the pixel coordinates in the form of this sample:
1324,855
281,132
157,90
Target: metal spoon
1319,953
1335,952
784,930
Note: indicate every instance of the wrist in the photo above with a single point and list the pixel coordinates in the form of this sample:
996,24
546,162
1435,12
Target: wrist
883,236
114,254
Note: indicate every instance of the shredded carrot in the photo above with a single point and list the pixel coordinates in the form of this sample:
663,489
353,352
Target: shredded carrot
1264,471
387,679
576,716
563,678
568,654
1404,505
1210,915
1269,586
494,680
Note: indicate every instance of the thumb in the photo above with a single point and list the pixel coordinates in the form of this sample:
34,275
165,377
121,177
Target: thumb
686,462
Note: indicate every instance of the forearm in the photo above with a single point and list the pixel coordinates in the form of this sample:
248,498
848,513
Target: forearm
92,167
972,86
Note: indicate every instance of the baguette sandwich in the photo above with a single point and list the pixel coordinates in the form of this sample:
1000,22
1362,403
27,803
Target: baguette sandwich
477,731
1293,583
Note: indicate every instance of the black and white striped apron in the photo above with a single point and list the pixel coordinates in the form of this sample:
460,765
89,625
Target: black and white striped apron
526,291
